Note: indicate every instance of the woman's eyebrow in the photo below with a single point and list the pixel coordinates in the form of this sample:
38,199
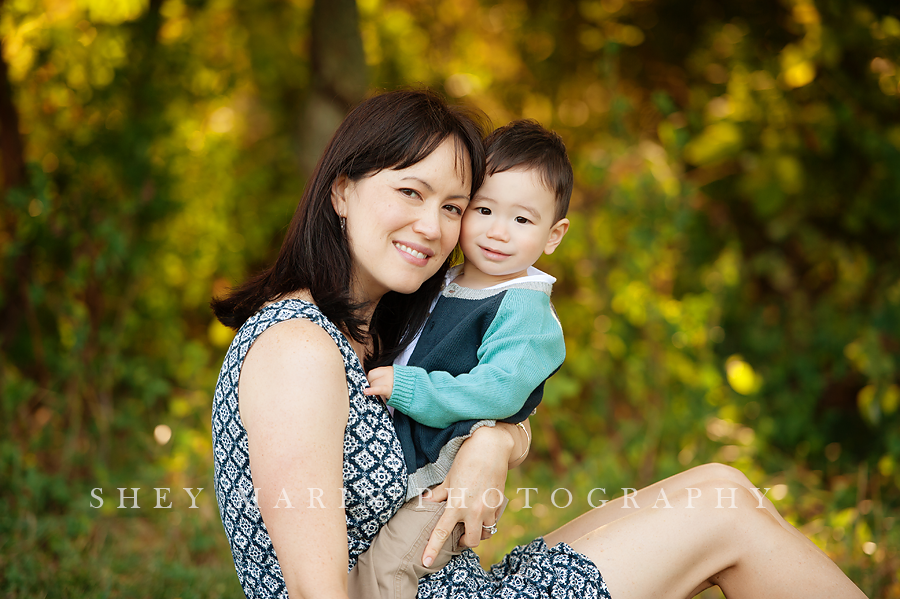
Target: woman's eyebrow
422,181
431,189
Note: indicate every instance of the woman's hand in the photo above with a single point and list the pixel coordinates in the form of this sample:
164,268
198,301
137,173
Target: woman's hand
474,487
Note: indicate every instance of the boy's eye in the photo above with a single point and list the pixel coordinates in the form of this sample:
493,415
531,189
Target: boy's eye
483,210
522,220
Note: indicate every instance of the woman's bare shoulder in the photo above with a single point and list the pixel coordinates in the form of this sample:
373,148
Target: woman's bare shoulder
293,363
292,339
296,337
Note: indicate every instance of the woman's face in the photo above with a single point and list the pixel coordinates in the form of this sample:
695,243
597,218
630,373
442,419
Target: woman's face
402,224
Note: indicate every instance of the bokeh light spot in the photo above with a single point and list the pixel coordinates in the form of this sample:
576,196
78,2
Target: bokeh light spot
779,492
162,433
741,376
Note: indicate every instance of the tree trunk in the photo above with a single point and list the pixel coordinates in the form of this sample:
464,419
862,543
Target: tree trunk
12,163
339,75
11,147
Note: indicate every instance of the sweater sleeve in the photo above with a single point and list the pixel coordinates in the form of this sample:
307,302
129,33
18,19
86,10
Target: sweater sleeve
522,347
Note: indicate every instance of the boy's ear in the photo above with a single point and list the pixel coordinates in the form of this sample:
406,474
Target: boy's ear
557,232
339,194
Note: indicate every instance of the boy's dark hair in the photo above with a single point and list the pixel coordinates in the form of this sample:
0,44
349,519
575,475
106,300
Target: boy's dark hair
525,144
393,130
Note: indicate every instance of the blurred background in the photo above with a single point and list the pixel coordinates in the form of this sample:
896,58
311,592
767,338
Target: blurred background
729,289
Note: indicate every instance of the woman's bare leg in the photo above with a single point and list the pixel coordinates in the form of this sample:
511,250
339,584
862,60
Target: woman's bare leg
678,551
649,496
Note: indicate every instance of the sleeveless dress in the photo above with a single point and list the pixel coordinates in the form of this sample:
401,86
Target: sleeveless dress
374,475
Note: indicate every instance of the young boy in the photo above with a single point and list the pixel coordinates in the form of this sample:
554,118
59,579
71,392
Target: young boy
490,343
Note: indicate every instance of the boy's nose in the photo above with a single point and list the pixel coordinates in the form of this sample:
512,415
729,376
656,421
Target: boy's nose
498,231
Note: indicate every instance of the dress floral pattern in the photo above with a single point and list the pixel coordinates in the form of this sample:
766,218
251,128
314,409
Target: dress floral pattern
374,475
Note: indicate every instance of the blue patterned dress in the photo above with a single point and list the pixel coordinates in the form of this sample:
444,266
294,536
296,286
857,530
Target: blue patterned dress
375,488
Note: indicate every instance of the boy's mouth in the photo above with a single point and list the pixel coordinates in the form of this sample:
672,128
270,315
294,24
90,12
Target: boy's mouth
492,254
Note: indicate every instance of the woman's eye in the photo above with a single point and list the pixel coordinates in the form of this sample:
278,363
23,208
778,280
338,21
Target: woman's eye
453,209
410,193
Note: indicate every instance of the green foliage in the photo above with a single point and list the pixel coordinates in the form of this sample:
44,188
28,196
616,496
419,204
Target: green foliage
729,288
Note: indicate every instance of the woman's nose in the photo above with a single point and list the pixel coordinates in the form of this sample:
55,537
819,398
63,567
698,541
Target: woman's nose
428,224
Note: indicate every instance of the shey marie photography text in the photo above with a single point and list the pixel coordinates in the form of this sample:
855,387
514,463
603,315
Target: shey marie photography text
559,497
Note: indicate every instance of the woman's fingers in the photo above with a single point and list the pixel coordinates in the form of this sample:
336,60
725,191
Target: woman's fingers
474,526
462,506
439,536
436,494
488,529
473,489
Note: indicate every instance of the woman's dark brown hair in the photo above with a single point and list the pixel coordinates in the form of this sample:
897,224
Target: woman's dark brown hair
392,130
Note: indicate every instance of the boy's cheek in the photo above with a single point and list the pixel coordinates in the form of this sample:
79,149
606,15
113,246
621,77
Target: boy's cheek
466,228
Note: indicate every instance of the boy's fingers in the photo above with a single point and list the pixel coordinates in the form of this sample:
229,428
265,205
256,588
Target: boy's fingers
377,389
377,373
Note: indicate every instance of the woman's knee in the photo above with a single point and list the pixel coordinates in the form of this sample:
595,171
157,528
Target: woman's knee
722,472
724,498
723,513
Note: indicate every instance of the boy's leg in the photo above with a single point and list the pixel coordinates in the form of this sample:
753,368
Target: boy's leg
392,566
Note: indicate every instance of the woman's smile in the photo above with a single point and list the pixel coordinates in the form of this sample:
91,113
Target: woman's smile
418,253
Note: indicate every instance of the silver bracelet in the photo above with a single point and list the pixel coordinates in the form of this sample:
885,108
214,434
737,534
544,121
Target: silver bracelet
527,442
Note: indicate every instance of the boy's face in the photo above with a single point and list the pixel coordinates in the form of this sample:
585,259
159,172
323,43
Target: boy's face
509,224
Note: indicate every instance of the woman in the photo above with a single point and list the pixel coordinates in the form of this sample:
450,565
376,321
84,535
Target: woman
364,255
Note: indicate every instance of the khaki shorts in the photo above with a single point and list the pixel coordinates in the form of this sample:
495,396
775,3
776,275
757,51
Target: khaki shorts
392,566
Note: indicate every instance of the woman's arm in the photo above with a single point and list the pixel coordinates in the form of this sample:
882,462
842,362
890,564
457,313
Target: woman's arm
480,466
293,403
522,444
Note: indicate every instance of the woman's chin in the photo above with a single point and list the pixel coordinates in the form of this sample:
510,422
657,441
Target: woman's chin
409,285
407,289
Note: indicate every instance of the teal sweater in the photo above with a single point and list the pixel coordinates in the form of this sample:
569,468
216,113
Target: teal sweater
483,355
521,348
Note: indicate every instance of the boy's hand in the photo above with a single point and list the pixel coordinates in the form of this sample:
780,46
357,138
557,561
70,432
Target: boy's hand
381,382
